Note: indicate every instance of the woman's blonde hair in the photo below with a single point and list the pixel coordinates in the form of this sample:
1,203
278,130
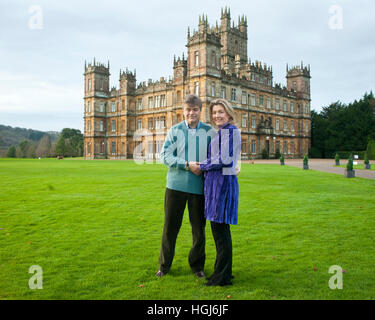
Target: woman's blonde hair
227,107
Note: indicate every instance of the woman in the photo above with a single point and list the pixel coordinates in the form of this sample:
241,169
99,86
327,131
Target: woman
221,187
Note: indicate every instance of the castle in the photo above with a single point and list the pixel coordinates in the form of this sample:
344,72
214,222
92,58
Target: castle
133,120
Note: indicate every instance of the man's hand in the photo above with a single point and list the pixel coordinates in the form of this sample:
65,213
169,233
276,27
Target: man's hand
195,168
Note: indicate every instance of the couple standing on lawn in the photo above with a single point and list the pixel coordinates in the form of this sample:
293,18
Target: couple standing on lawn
207,181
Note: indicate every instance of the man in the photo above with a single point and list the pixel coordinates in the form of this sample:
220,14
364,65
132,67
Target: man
184,146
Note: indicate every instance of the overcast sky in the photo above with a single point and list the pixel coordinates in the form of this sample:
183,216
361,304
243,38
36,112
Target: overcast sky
44,44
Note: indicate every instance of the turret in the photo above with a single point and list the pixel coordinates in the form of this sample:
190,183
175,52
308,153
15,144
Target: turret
298,80
225,19
127,82
96,78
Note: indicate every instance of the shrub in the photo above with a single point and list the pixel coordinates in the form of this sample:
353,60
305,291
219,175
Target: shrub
11,152
349,165
277,154
265,154
305,160
366,161
282,158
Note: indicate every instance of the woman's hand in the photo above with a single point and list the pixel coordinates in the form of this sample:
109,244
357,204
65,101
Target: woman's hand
195,168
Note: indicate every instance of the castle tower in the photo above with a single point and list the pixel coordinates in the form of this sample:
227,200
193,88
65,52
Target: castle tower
298,80
96,77
203,62
233,40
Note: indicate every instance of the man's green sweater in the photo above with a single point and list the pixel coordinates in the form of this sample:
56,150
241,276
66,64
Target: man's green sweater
185,144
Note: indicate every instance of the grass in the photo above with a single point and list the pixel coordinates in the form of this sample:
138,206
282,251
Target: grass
95,229
359,167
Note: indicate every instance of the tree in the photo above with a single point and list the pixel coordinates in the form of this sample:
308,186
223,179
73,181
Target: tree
30,152
60,146
23,146
371,149
44,147
11,152
73,143
341,127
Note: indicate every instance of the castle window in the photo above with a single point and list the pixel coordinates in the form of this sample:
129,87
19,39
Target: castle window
278,145
139,104
113,125
285,147
233,94
253,122
269,82
253,146
294,86
292,107
213,89
307,128
252,77
277,124
101,125
101,107
150,123
88,106
88,125
261,100
113,148
306,108
196,88
162,122
285,106
196,58
277,104
285,125
123,126
150,102
269,103
113,106
162,100
157,101
150,148
102,148
252,98
89,85
223,92
292,126
244,120
139,124
243,147
244,96
260,79
292,147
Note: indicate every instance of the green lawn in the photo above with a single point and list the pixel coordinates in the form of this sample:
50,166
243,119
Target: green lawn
358,167
95,229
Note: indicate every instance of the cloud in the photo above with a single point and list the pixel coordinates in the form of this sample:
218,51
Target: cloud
42,70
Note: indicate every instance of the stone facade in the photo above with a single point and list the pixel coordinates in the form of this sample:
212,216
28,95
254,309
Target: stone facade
135,118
